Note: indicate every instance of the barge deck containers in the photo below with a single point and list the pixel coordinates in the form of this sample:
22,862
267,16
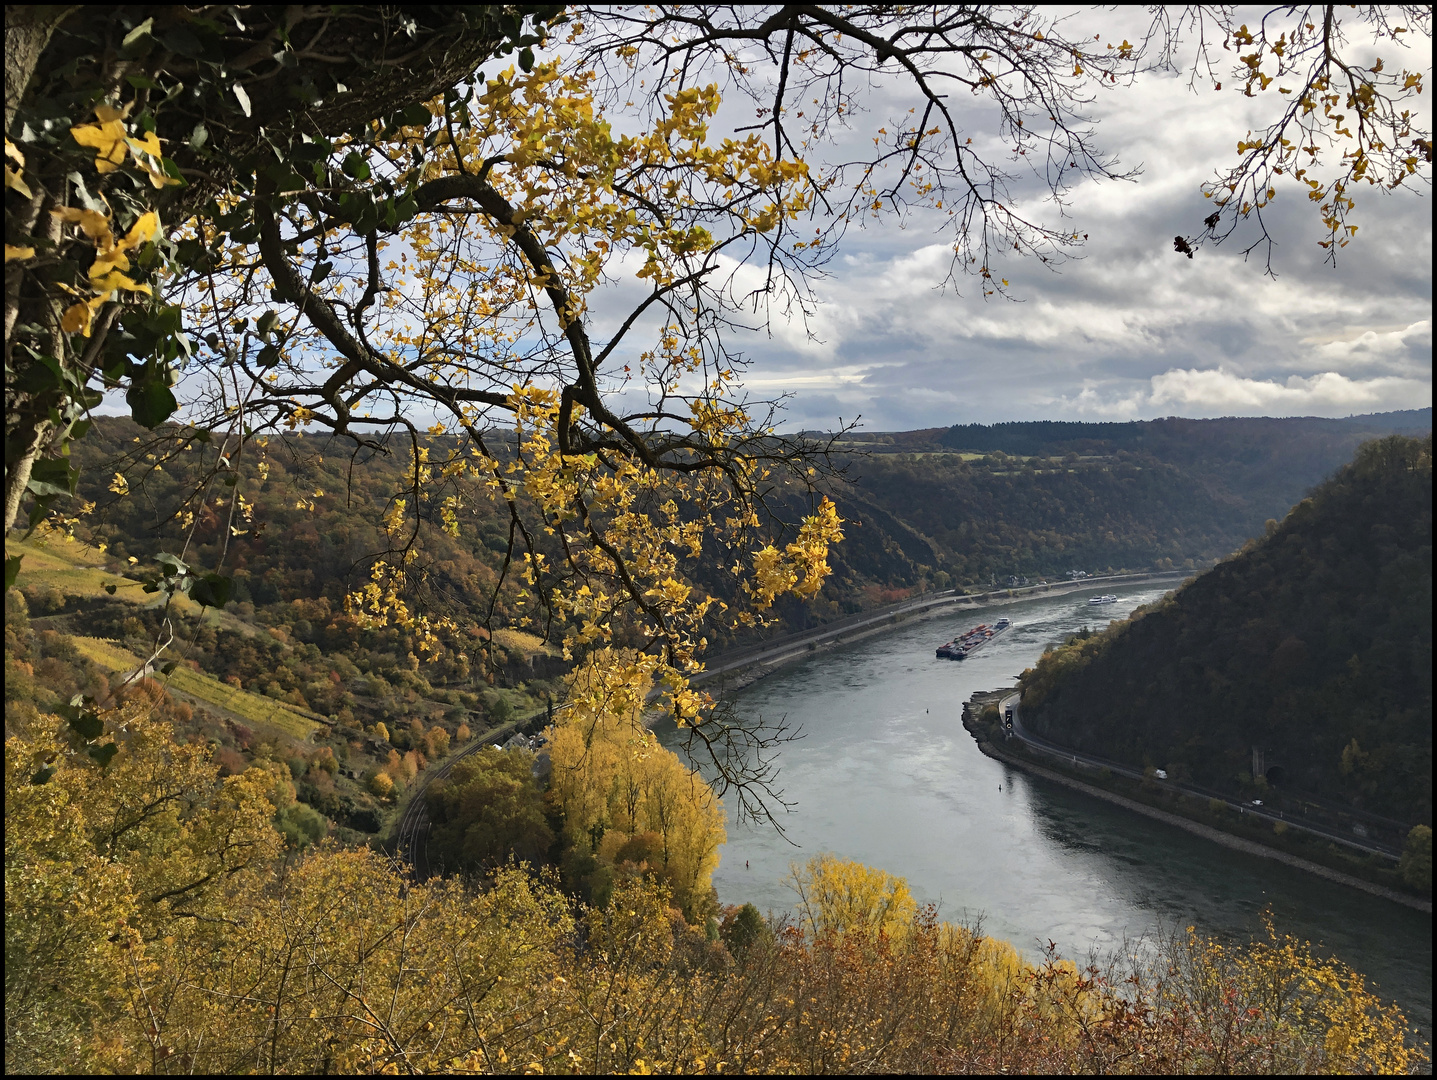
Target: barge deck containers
964,645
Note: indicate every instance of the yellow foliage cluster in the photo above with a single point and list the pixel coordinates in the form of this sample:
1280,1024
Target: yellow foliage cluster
112,143
614,782
1332,103
149,927
562,203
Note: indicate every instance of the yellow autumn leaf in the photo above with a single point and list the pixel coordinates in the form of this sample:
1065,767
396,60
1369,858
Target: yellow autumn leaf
13,251
76,319
14,182
143,230
116,280
92,223
107,261
107,140
150,144
159,179
106,113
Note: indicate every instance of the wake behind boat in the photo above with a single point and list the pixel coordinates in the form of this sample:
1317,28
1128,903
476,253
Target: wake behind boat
964,645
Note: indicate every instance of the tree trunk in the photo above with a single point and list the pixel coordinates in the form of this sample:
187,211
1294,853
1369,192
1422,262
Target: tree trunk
17,474
27,31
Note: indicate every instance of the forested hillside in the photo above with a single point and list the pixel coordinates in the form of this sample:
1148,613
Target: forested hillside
1031,499
1314,644
974,505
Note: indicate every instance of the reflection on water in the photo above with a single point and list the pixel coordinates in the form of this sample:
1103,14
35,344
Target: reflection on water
885,774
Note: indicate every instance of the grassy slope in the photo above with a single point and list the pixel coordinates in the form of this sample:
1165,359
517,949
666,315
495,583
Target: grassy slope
254,709
76,569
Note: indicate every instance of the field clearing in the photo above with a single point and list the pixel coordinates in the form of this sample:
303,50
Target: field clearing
76,569
521,641
264,713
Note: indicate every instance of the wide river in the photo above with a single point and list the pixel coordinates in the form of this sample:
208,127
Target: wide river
885,774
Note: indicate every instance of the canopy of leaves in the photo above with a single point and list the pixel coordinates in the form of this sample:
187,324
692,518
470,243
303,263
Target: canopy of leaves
487,810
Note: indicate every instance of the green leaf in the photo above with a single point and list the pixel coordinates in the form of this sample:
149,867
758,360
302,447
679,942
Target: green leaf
172,564
53,476
355,165
526,59
180,40
110,589
43,776
137,33
415,116
151,402
212,590
199,136
43,376
267,322
104,754
320,272
242,97
87,725
12,569
268,357
138,41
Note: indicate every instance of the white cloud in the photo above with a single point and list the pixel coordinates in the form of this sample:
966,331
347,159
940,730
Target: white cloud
1407,350
1218,392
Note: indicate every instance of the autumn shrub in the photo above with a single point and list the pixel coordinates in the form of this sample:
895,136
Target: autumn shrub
1416,864
742,928
612,781
300,825
381,785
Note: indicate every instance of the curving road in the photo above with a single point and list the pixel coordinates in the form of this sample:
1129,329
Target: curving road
1071,756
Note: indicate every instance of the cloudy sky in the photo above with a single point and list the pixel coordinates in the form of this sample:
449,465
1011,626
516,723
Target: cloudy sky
1132,330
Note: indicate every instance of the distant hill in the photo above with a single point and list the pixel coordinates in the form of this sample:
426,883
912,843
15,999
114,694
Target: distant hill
1314,644
1170,437
974,504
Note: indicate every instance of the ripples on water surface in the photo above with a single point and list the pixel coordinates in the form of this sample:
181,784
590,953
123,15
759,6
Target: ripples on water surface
886,775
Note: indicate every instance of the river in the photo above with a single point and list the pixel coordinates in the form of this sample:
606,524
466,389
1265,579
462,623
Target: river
886,774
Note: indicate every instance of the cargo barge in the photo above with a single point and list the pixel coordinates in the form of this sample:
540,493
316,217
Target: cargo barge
963,646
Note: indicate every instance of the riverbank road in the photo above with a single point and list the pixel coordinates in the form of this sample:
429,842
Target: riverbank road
853,627
1072,758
